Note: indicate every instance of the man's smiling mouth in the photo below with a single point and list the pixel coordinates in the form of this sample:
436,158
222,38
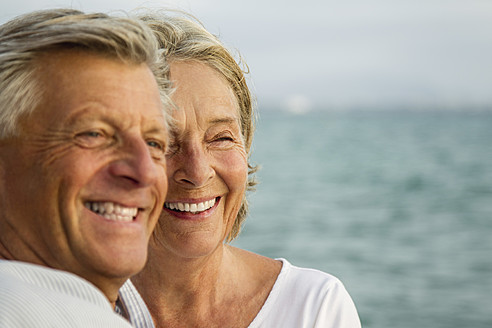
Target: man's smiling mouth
193,208
112,211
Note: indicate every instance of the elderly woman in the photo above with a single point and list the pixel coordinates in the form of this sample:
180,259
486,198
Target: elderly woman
193,277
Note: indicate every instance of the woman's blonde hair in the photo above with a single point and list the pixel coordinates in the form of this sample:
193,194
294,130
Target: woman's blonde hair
183,38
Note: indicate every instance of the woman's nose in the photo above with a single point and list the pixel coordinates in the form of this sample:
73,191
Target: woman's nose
192,167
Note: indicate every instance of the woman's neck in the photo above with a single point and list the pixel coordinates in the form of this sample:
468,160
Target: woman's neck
182,278
196,292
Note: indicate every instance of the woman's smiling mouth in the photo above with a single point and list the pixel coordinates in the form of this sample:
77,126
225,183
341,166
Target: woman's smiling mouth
193,208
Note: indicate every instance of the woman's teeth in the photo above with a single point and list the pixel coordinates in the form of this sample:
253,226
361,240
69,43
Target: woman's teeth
191,207
112,211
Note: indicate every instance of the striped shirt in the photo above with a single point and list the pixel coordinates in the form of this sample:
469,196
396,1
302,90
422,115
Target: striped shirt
36,296
131,303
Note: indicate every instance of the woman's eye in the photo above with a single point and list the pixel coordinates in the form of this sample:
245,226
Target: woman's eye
223,140
172,149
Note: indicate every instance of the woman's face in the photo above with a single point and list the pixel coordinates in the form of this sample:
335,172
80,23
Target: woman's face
206,164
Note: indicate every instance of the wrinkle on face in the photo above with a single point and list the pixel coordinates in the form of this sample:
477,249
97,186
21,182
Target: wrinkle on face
206,158
97,116
48,147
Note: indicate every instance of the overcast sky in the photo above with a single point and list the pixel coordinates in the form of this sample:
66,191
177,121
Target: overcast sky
343,54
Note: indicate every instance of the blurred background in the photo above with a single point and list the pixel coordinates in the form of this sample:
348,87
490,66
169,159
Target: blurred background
375,144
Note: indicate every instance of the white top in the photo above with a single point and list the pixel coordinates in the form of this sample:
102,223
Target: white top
301,298
307,298
36,296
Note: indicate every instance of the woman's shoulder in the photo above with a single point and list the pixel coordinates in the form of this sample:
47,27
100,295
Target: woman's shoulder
307,297
259,265
306,280
293,274
281,272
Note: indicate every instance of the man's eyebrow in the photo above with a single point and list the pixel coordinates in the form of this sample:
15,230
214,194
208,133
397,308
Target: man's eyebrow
159,132
158,128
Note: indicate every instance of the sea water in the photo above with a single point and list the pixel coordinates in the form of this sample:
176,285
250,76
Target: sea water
397,204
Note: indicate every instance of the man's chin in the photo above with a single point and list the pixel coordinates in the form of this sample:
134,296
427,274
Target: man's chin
115,269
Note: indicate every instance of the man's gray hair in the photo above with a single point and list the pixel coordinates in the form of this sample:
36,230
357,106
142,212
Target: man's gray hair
27,37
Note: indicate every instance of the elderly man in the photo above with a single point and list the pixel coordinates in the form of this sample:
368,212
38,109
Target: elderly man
82,168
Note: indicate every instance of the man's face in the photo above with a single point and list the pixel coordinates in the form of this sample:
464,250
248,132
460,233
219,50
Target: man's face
83,184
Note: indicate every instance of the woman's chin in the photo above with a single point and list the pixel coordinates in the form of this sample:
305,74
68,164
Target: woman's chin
193,245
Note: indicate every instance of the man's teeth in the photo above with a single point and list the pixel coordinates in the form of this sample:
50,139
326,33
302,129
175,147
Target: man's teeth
112,211
191,207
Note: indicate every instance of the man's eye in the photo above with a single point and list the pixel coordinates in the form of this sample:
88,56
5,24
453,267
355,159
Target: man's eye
155,144
89,134
92,134
157,149
91,138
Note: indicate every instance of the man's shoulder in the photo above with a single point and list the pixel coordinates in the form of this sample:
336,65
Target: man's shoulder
34,296
38,278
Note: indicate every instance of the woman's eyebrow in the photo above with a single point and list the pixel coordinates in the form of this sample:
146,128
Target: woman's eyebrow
227,120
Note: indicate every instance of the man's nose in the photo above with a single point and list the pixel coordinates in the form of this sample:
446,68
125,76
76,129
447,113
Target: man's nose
138,164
